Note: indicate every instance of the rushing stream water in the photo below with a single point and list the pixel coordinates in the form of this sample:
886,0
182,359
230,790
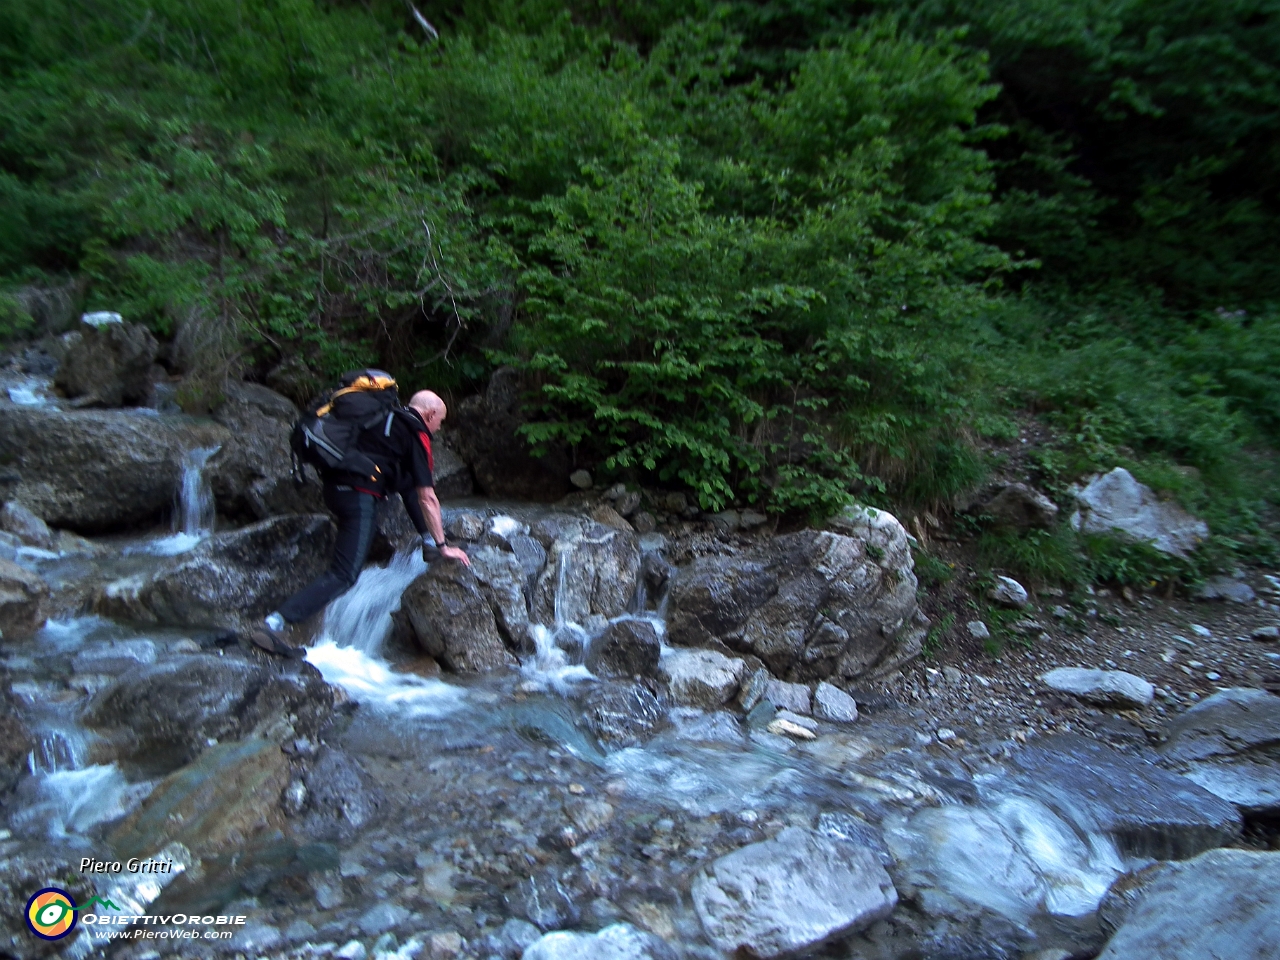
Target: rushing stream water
486,803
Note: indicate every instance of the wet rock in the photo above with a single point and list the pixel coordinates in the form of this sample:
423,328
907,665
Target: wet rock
543,901
1147,811
483,430
531,555
15,518
656,571
453,621
251,475
214,805
833,704
465,526
342,798
1226,588
811,604
1107,688
115,658
1230,745
591,569
791,894
1225,903
753,688
230,581
621,941
623,715
1008,592
22,599
1019,507
21,875
1116,503
588,814
1014,857
107,365
627,648
701,678
98,470
789,696
719,726
15,741
502,580
165,714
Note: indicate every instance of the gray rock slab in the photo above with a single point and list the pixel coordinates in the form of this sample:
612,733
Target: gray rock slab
701,678
833,704
1118,504
621,941
1230,745
1226,588
1148,811
1223,904
1107,688
786,896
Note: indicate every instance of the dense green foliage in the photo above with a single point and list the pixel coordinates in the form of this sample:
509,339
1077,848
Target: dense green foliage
785,252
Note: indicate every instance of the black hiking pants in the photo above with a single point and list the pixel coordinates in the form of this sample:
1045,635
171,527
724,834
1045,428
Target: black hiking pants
356,523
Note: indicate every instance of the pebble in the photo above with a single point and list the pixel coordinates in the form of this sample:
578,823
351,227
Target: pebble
1200,631
833,704
978,630
1266,633
946,734
1008,592
789,728
581,479
352,950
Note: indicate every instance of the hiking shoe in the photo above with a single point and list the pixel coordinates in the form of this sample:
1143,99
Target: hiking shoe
273,642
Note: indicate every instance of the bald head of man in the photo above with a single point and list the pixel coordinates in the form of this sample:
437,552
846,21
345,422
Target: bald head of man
430,407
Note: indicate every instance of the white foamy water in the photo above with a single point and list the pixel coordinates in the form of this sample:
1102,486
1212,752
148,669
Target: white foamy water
348,653
71,801
26,396
550,668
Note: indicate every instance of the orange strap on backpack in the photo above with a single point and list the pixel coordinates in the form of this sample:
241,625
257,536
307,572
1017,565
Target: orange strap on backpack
362,384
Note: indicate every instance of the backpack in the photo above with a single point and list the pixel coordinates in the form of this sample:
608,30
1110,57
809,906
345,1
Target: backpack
327,436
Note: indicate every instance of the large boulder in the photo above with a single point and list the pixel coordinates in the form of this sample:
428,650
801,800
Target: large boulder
1116,503
95,471
251,475
787,896
1106,688
1224,903
627,648
107,364
1230,745
453,620
590,569
230,580
164,715
483,430
1146,810
22,598
811,605
701,678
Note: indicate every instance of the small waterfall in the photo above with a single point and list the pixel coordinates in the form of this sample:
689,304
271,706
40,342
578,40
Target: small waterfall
195,497
348,652
193,513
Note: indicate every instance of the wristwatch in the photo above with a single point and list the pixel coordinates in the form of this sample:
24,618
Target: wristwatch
430,549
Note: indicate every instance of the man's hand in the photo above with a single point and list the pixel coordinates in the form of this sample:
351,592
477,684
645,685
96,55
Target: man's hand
456,553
